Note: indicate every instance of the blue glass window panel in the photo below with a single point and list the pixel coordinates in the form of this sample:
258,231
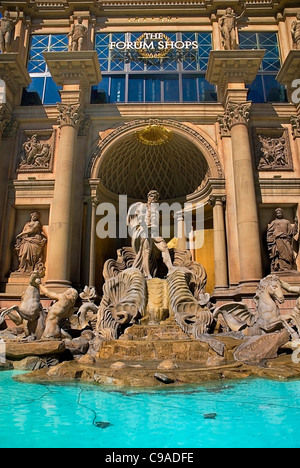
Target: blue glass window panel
154,65
256,93
189,88
267,41
207,91
137,64
153,89
171,88
136,89
190,61
100,93
37,86
59,43
117,93
170,63
248,40
274,91
37,64
102,48
51,95
39,45
117,61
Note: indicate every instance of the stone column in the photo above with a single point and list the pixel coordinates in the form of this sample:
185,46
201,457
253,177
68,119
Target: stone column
182,244
92,269
237,118
231,71
60,229
220,252
76,72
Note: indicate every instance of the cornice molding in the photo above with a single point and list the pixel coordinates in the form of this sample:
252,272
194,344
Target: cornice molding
99,7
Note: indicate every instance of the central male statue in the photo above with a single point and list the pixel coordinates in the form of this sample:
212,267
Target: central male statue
143,219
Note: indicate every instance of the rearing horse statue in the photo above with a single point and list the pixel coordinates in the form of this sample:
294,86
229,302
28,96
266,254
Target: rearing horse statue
236,316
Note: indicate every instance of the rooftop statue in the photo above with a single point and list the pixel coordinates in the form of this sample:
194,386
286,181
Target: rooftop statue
228,24
7,28
280,239
77,35
296,32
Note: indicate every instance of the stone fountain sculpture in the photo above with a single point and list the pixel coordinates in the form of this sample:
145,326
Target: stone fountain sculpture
134,288
30,310
134,283
150,285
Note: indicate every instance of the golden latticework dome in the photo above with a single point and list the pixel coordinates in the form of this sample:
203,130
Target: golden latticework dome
132,167
154,135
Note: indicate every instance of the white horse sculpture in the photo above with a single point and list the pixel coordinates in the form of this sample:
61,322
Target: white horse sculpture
236,316
30,310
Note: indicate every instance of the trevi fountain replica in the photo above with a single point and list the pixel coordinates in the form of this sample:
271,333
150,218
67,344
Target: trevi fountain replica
154,323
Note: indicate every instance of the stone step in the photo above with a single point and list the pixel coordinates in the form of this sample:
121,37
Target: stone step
155,350
19,350
164,331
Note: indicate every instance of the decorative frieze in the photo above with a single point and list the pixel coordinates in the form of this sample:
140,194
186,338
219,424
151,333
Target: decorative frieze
273,150
37,151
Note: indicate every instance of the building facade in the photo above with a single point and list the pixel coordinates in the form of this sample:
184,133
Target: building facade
110,98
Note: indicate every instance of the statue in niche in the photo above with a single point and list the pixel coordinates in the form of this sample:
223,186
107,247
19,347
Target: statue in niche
296,33
274,153
77,35
7,28
30,244
228,24
143,219
280,239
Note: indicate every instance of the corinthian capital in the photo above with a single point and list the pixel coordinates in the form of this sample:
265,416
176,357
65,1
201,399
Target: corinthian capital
235,113
70,114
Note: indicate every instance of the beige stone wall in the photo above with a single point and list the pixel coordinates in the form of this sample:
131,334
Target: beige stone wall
26,191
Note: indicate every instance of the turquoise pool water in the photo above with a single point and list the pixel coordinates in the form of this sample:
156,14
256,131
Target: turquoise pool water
249,413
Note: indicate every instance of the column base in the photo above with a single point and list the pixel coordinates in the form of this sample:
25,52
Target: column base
58,286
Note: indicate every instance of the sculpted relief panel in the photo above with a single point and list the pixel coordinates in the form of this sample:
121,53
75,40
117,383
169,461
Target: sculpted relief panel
273,150
36,151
